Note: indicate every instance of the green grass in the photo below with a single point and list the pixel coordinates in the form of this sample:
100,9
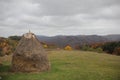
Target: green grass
71,65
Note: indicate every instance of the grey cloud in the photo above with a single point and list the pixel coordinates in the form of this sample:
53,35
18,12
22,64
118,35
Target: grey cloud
72,7
59,16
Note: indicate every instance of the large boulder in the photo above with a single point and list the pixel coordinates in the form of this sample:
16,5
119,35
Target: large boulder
29,55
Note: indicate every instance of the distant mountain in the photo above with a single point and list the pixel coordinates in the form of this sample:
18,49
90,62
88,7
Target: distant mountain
62,41
113,37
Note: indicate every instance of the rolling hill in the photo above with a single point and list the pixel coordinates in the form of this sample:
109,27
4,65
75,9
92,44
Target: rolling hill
62,41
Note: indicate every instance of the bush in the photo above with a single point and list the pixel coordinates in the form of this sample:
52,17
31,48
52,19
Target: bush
68,48
117,51
17,38
85,48
110,47
7,46
99,50
88,48
45,46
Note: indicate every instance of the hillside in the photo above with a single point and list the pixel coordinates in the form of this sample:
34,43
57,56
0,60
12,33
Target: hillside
70,65
62,41
113,37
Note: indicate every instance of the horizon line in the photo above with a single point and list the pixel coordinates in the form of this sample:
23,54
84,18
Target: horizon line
67,35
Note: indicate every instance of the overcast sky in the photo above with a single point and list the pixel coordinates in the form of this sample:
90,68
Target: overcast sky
59,17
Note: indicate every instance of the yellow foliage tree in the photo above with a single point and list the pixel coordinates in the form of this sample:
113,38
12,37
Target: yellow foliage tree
68,48
45,46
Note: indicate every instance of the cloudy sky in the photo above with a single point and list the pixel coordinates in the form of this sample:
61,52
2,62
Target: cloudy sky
59,17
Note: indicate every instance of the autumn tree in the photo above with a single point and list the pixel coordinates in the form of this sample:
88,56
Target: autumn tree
7,46
68,47
110,46
117,51
17,38
45,46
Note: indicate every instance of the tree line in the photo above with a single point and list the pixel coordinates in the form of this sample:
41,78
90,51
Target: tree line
8,45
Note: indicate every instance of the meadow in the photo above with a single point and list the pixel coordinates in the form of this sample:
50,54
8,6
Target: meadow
70,65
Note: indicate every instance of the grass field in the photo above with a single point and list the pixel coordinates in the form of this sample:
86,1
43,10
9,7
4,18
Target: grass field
71,65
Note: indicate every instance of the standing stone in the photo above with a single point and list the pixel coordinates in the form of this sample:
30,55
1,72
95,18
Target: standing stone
29,55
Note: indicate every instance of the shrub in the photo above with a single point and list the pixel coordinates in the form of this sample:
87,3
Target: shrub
117,51
7,46
89,48
99,50
17,38
45,46
110,47
85,48
68,48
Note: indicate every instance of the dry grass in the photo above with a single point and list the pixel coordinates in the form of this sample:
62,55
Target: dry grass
6,58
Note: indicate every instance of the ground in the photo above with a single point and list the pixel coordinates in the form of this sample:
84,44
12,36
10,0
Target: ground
70,65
